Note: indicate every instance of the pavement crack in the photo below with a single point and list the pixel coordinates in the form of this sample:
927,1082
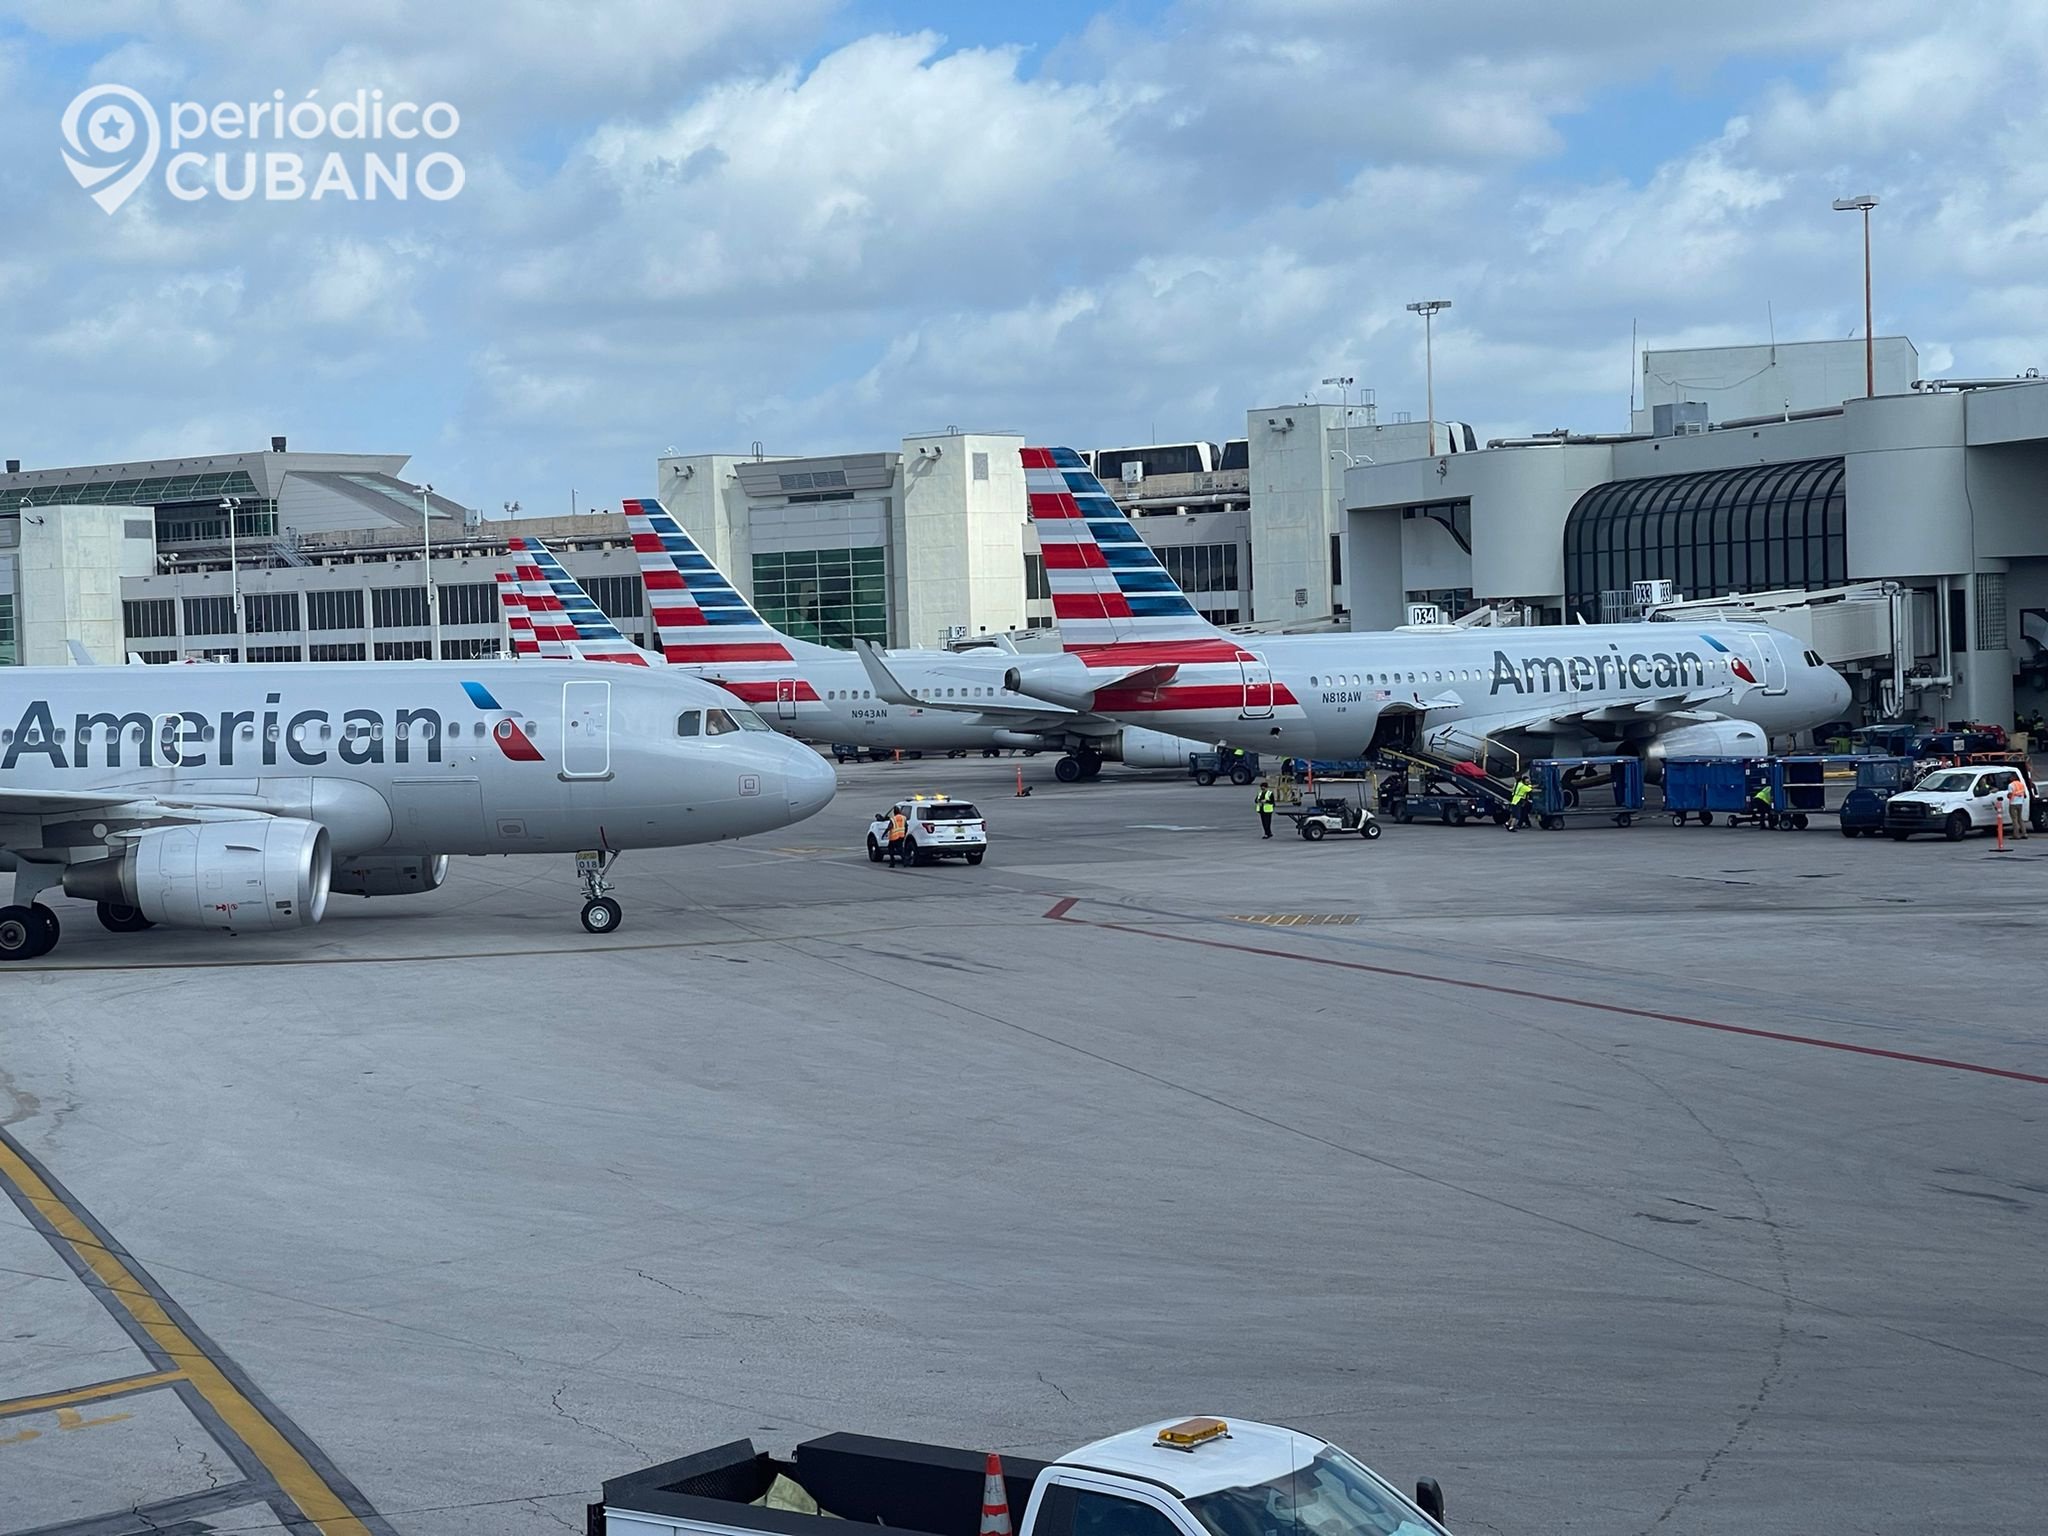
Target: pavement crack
1056,1387
535,1501
660,1282
555,1402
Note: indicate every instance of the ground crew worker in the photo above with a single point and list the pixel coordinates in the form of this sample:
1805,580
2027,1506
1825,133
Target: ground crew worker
1518,803
1764,804
899,833
1265,802
2016,803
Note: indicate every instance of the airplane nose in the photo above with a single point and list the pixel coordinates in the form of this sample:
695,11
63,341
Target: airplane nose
812,782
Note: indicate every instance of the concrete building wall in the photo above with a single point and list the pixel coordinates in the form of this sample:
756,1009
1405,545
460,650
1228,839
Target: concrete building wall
1739,382
964,517
69,581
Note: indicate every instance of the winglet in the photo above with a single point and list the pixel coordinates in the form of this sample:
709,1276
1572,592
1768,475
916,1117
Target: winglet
887,688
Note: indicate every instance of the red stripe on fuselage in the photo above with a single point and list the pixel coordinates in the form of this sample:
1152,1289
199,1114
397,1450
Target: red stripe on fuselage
1187,696
1160,653
764,692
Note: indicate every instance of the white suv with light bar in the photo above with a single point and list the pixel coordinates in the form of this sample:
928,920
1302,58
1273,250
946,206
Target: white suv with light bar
937,828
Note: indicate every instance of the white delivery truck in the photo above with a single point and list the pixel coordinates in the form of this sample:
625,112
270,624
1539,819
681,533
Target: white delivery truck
1186,1477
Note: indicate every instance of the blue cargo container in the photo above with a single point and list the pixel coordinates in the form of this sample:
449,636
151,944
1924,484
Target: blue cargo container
1610,787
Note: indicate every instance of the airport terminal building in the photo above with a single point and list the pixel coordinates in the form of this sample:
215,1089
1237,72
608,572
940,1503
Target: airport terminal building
1904,535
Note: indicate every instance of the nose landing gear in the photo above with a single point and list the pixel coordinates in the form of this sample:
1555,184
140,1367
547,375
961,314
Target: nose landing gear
600,913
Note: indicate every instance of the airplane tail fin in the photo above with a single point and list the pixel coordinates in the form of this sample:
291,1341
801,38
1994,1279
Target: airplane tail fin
699,617
518,623
1108,588
564,615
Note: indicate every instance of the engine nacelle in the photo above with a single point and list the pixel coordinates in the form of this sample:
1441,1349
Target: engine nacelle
1063,679
1139,748
1708,738
390,874
265,872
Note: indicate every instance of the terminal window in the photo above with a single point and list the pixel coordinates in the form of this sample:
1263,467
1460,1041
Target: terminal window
472,602
399,607
273,653
209,616
828,596
9,652
335,610
271,613
150,618
1200,567
620,597
350,652
1035,584
404,650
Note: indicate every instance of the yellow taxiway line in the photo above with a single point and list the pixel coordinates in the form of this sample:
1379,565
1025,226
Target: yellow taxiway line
305,1487
92,1394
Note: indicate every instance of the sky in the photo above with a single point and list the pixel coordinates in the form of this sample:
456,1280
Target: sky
818,225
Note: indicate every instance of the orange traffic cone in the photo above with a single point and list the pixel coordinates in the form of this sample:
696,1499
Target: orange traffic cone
995,1503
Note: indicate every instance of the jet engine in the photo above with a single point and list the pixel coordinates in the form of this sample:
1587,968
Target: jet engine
1708,738
263,872
390,874
1151,749
1063,679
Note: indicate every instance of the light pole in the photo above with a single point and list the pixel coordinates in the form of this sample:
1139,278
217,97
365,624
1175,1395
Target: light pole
1863,204
427,560
232,505
1429,310
1344,381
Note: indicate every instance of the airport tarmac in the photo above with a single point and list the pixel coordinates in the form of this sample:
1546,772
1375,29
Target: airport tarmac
1661,1180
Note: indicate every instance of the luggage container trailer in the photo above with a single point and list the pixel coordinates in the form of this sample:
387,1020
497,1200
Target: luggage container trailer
1201,1477
1566,787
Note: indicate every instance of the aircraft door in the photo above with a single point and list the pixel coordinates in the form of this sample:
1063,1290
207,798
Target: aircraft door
785,698
1258,686
1770,662
586,730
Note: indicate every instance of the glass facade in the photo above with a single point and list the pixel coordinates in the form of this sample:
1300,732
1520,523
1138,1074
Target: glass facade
10,653
1753,529
829,596
1200,567
145,491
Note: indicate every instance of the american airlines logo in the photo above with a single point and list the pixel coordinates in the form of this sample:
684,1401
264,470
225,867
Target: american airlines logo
187,738
1584,674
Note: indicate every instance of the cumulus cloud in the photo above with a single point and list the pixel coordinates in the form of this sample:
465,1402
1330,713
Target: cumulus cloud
744,221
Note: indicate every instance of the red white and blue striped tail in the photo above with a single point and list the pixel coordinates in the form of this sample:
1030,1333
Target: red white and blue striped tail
518,624
566,622
1108,588
699,617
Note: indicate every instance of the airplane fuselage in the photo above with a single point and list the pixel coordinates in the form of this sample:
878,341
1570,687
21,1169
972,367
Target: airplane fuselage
427,757
1324,695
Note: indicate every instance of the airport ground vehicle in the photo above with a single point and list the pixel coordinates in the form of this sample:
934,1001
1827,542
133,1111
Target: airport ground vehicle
1238,767
1952,801
1566,787
1877,780
1168,1479
1412,793
939,828
1339,806
1701,789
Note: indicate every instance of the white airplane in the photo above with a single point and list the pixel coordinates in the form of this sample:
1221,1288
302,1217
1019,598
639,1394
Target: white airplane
1136,650
812,691
239,797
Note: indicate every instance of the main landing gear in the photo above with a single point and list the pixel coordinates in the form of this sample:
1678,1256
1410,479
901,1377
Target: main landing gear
28,929
1076,766
600,913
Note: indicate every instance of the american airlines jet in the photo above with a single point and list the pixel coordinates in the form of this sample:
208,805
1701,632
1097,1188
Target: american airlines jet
928,701
240,797
1136,650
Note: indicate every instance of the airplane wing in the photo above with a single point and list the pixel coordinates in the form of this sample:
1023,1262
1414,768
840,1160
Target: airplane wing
63,802
1561,719
893,690
80,655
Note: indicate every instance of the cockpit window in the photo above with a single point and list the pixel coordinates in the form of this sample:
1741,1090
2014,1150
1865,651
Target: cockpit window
1813,659
749,721
718,722
690,723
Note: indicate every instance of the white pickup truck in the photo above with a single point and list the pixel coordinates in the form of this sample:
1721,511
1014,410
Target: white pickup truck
1188,1477
1952,801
